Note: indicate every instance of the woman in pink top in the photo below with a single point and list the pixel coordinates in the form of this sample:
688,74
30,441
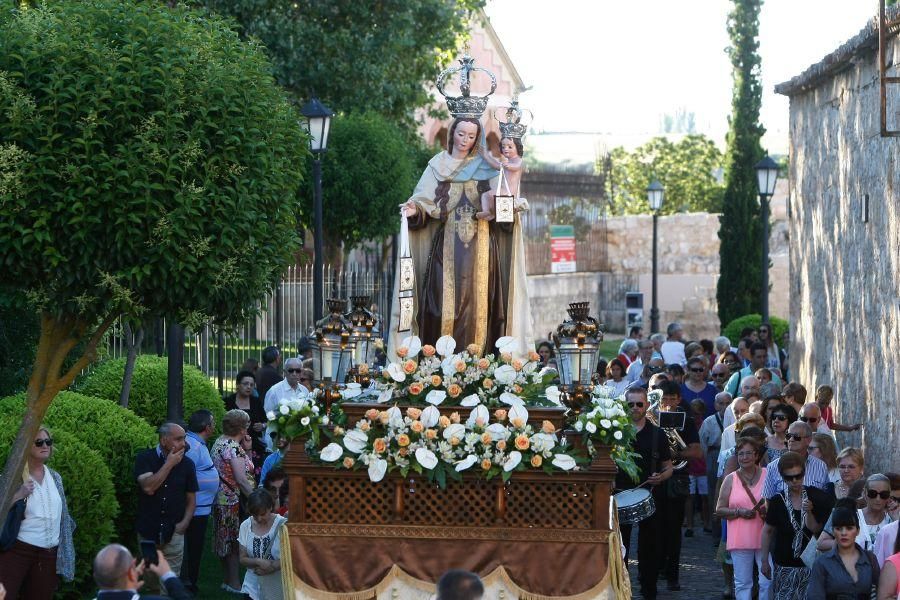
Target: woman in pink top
740,503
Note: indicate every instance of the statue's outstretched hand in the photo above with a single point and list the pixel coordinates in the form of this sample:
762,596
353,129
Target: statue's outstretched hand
409,209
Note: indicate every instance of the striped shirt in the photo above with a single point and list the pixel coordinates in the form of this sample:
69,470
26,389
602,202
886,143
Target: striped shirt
816,476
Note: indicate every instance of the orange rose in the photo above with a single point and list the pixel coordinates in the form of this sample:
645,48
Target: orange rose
444,421
364,426
384,417
428,350
436,381
402,351
349,462
460,366
409,367
522,442
417,426
536,461
518,422
506,357
500,414
547,427
454,417
363,369
379,445
413,412
454,390
483,364
416,388
486,464
473,350
534,356
454,441
517,364
501,445
486,438
372,414
403,440
430,434
487,383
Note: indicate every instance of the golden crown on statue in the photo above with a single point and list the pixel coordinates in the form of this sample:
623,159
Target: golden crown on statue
464,105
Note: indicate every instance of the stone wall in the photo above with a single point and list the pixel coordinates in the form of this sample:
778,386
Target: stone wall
845,265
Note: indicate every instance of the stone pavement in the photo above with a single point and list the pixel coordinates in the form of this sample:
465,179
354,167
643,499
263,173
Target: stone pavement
701,575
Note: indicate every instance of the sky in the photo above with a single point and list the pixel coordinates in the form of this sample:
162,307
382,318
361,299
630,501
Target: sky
616,66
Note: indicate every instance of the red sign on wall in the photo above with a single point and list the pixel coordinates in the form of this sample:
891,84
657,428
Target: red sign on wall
562,249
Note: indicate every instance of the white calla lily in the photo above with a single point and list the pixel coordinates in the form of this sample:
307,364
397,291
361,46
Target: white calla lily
543,441
355,441
479,414
553,394
445,345
466,463
508,344
396,372
331,452
413,344
352,390
511,399
564,462
518,411
435,397
395,417
512,460
505,374
426,458
448,365
430,416
471,400
455,430
498,431
377,469
385,396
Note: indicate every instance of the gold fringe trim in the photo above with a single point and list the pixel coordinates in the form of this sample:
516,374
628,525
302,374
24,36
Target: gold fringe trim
482,253
287,565
616,570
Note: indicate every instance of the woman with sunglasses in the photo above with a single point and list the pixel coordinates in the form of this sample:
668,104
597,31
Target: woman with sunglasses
780,418
793,517
846,570
872,518
888,539
43,549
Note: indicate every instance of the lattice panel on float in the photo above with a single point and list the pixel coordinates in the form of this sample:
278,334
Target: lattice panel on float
556,505
333,500
472,504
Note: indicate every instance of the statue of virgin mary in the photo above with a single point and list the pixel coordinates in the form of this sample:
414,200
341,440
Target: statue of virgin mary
469,273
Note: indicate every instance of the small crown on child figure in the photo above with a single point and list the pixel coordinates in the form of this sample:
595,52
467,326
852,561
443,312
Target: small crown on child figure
511,121
465,105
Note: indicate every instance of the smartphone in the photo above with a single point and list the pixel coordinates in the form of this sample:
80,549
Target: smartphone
148,552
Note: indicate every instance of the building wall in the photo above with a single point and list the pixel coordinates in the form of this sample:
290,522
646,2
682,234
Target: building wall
845,273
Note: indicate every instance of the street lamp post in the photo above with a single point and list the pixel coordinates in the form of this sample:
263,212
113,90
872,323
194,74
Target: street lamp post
655,194
318,123
766,176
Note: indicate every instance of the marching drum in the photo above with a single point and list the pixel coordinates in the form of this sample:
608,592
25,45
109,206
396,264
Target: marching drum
634,505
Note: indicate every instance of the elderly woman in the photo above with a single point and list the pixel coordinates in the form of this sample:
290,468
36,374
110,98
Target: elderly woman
872,518
741,504
850,463
793,517
235,469
847,570
43,549
780,418
628,351
823,447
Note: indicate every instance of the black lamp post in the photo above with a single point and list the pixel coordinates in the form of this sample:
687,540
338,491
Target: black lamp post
766,176
318,122
655,194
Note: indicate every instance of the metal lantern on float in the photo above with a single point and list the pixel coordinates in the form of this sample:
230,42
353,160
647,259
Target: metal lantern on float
365,329
334,349
577,342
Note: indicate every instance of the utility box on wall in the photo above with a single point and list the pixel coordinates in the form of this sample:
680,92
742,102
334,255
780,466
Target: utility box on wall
634,310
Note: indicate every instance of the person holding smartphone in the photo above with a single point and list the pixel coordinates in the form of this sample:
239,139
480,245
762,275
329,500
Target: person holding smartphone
118,574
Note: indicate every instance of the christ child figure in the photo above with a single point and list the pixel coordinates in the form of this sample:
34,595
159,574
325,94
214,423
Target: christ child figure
511,153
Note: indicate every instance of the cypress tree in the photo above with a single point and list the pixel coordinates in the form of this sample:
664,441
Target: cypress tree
740,252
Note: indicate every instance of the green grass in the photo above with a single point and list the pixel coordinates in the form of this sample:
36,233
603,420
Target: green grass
210,579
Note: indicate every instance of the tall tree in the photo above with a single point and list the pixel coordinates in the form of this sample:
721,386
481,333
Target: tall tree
149,165
740,252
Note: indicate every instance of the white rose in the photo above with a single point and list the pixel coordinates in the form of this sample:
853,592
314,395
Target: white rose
579,425
617,435
284,409
304,421
331,452
591,428
426,458
271,415
605,423
325,420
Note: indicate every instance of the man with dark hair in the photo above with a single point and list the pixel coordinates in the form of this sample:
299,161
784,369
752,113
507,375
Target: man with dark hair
457,584
270,372
759,354
118,575
636,332
201,427
654,468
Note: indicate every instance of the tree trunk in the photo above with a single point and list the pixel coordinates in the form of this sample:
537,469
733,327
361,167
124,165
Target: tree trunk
133,341
59,335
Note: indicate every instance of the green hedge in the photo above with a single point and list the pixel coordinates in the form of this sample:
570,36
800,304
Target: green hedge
115,433
733,330
89,494
148,388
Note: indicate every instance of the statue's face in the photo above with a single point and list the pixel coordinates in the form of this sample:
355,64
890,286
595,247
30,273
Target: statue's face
464,138
508,148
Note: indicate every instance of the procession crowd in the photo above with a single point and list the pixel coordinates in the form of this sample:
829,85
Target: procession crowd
790,514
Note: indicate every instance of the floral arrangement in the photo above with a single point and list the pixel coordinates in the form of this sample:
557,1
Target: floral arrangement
299,417
608,421
439,375
444,447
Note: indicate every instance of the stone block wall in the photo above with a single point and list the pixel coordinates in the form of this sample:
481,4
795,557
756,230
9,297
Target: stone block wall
845,264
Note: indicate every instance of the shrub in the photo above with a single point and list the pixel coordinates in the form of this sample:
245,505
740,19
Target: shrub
733,330
89,494
148,388
115,433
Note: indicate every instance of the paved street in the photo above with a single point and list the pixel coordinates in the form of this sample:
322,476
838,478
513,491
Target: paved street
701,577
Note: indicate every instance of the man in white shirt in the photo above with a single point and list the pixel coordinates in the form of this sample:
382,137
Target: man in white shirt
284,391
673,349
645,352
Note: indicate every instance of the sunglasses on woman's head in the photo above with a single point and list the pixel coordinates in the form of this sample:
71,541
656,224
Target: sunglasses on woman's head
40,443
876,494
